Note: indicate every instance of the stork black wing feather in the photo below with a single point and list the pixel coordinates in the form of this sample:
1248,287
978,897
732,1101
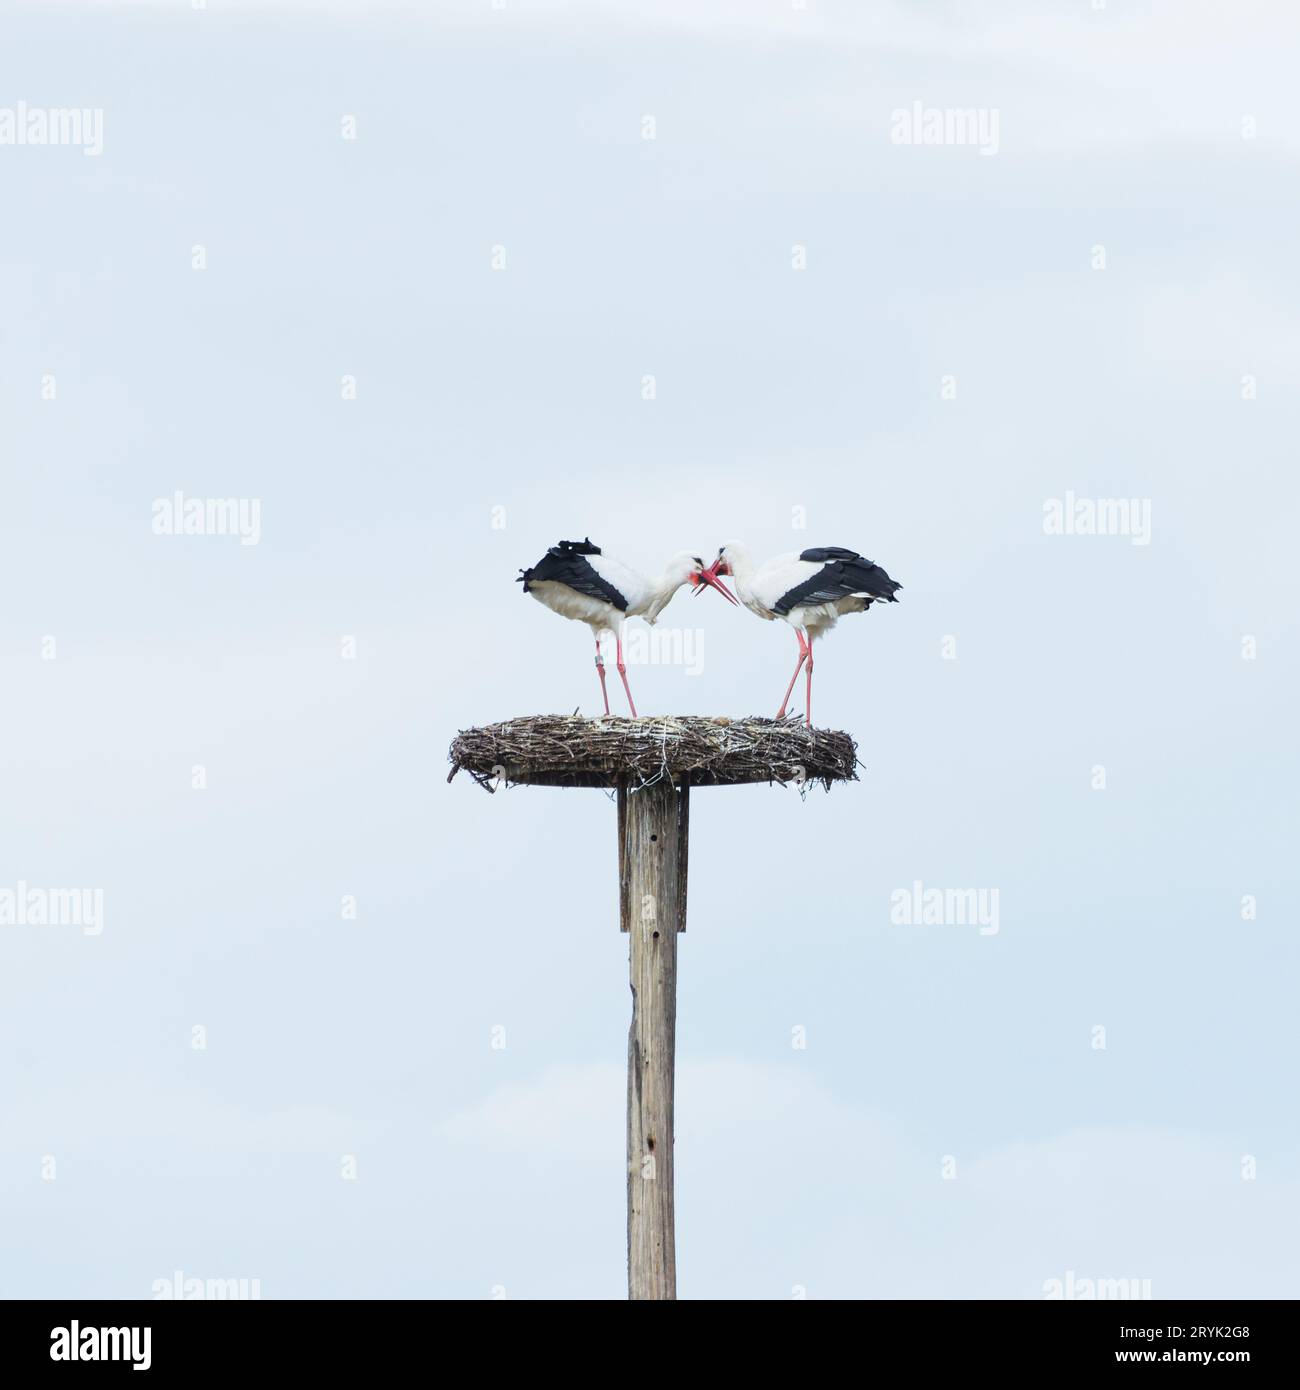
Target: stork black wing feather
846,574
566,563
820,555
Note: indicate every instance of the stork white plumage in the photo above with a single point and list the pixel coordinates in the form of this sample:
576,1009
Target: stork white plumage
577,580
810,591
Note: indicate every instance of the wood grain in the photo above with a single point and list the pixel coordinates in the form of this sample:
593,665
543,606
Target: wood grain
653,881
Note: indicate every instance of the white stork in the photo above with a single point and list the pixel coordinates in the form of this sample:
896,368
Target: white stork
810,591
578,580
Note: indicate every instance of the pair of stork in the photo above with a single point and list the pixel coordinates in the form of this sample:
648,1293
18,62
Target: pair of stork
810,591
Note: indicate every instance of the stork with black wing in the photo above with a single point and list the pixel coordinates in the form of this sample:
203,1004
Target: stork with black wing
577,580
810,591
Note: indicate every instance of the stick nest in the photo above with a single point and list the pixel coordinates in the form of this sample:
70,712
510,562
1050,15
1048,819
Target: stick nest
548,750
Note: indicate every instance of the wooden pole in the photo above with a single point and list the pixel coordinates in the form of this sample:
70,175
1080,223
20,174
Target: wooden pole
653,827
653,763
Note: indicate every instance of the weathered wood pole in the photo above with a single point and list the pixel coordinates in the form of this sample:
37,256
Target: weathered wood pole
653,832
653,763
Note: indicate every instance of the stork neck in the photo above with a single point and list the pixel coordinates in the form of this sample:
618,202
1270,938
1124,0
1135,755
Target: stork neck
742,566
665,587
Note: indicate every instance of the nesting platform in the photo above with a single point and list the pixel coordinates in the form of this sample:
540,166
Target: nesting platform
569,751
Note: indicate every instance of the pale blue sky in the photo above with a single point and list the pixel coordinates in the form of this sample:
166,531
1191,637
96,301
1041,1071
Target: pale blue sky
521,389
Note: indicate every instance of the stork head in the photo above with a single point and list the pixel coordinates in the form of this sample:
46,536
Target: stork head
699,575
728,554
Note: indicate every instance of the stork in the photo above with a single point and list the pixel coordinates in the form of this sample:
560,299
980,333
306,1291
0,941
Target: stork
810,591
577,580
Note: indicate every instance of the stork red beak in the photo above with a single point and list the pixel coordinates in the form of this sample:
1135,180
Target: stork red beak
709,578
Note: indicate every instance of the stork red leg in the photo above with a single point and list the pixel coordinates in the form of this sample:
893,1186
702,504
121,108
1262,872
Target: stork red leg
803,652
600,667
622,670
810,640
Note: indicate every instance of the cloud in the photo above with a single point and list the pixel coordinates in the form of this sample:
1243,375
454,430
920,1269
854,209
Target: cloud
566,1111
851,1208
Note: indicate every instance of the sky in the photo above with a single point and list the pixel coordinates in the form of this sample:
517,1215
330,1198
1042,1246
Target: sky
427,288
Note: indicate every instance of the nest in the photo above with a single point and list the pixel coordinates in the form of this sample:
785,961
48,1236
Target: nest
567,751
